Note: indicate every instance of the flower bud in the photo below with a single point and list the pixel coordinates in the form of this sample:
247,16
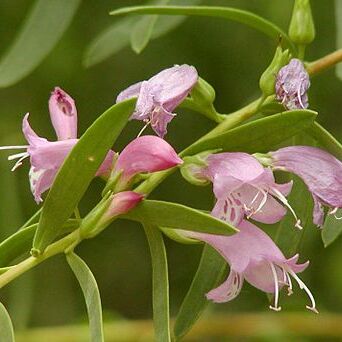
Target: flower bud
194,167
203,92
302,29
110,207
145,154
268,78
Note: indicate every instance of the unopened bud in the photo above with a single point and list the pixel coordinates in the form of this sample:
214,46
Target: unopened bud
302,29
268,78
203,93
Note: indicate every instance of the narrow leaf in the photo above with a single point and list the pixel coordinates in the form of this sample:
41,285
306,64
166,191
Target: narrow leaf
117,36
241,16
259,135
160,283
91,295
6,327
173,215
43,28
21,242
209,273
108,42
332,228
143,29
325,140
70,184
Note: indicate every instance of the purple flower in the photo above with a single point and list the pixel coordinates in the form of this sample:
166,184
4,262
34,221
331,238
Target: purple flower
46,157
254,257
292,83
145,154
243,187
319,170
160,95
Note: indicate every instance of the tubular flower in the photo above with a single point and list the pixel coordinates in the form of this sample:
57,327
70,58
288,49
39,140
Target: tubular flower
243,187
160,95
145,154
254,257
319,170
292,83
46,157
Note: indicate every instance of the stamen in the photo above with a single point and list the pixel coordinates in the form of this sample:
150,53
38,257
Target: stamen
276,289
19,162
306,289
289,289
143,129
16,156
283,199
14,147
333,212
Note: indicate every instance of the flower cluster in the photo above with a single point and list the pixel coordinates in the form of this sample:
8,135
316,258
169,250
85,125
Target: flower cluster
244,185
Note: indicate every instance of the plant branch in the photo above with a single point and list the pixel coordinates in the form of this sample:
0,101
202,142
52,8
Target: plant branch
325,62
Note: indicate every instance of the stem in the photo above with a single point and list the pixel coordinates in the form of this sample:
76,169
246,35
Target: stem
325,62
55,248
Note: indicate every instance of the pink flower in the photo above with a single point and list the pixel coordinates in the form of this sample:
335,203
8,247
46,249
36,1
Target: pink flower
46,157
292,84
145,154
320,171
243,187
160,95
254,257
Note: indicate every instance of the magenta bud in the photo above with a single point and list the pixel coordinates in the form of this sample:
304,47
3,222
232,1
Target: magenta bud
146,154
63,114
122,203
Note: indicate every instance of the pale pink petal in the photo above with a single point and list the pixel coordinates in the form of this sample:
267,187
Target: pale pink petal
297,268
159,121
131,91
31,137
319,170
40,181
145,104
318,212
50,155
228,290
106,165
63,114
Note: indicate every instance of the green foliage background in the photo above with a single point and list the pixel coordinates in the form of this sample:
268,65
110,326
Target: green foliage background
231,57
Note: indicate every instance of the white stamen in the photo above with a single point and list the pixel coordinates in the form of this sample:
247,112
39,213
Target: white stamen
16,156
289,289
263,201
143,129
306,289
19,162
333,212
283,199
276,289
15,147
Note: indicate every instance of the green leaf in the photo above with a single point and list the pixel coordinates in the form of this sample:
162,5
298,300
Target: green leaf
259,135
108,42
241,16
6,330
332,228
117,36
325,140
21,242
160,282
173,215
70,184
209,273
142,31
43,28
91,295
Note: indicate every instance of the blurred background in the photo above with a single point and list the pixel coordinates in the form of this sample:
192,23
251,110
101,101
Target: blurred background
228,55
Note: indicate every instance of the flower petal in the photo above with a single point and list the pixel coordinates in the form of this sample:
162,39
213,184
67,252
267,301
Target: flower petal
30,135
40,181
131,91
63,114
228,290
